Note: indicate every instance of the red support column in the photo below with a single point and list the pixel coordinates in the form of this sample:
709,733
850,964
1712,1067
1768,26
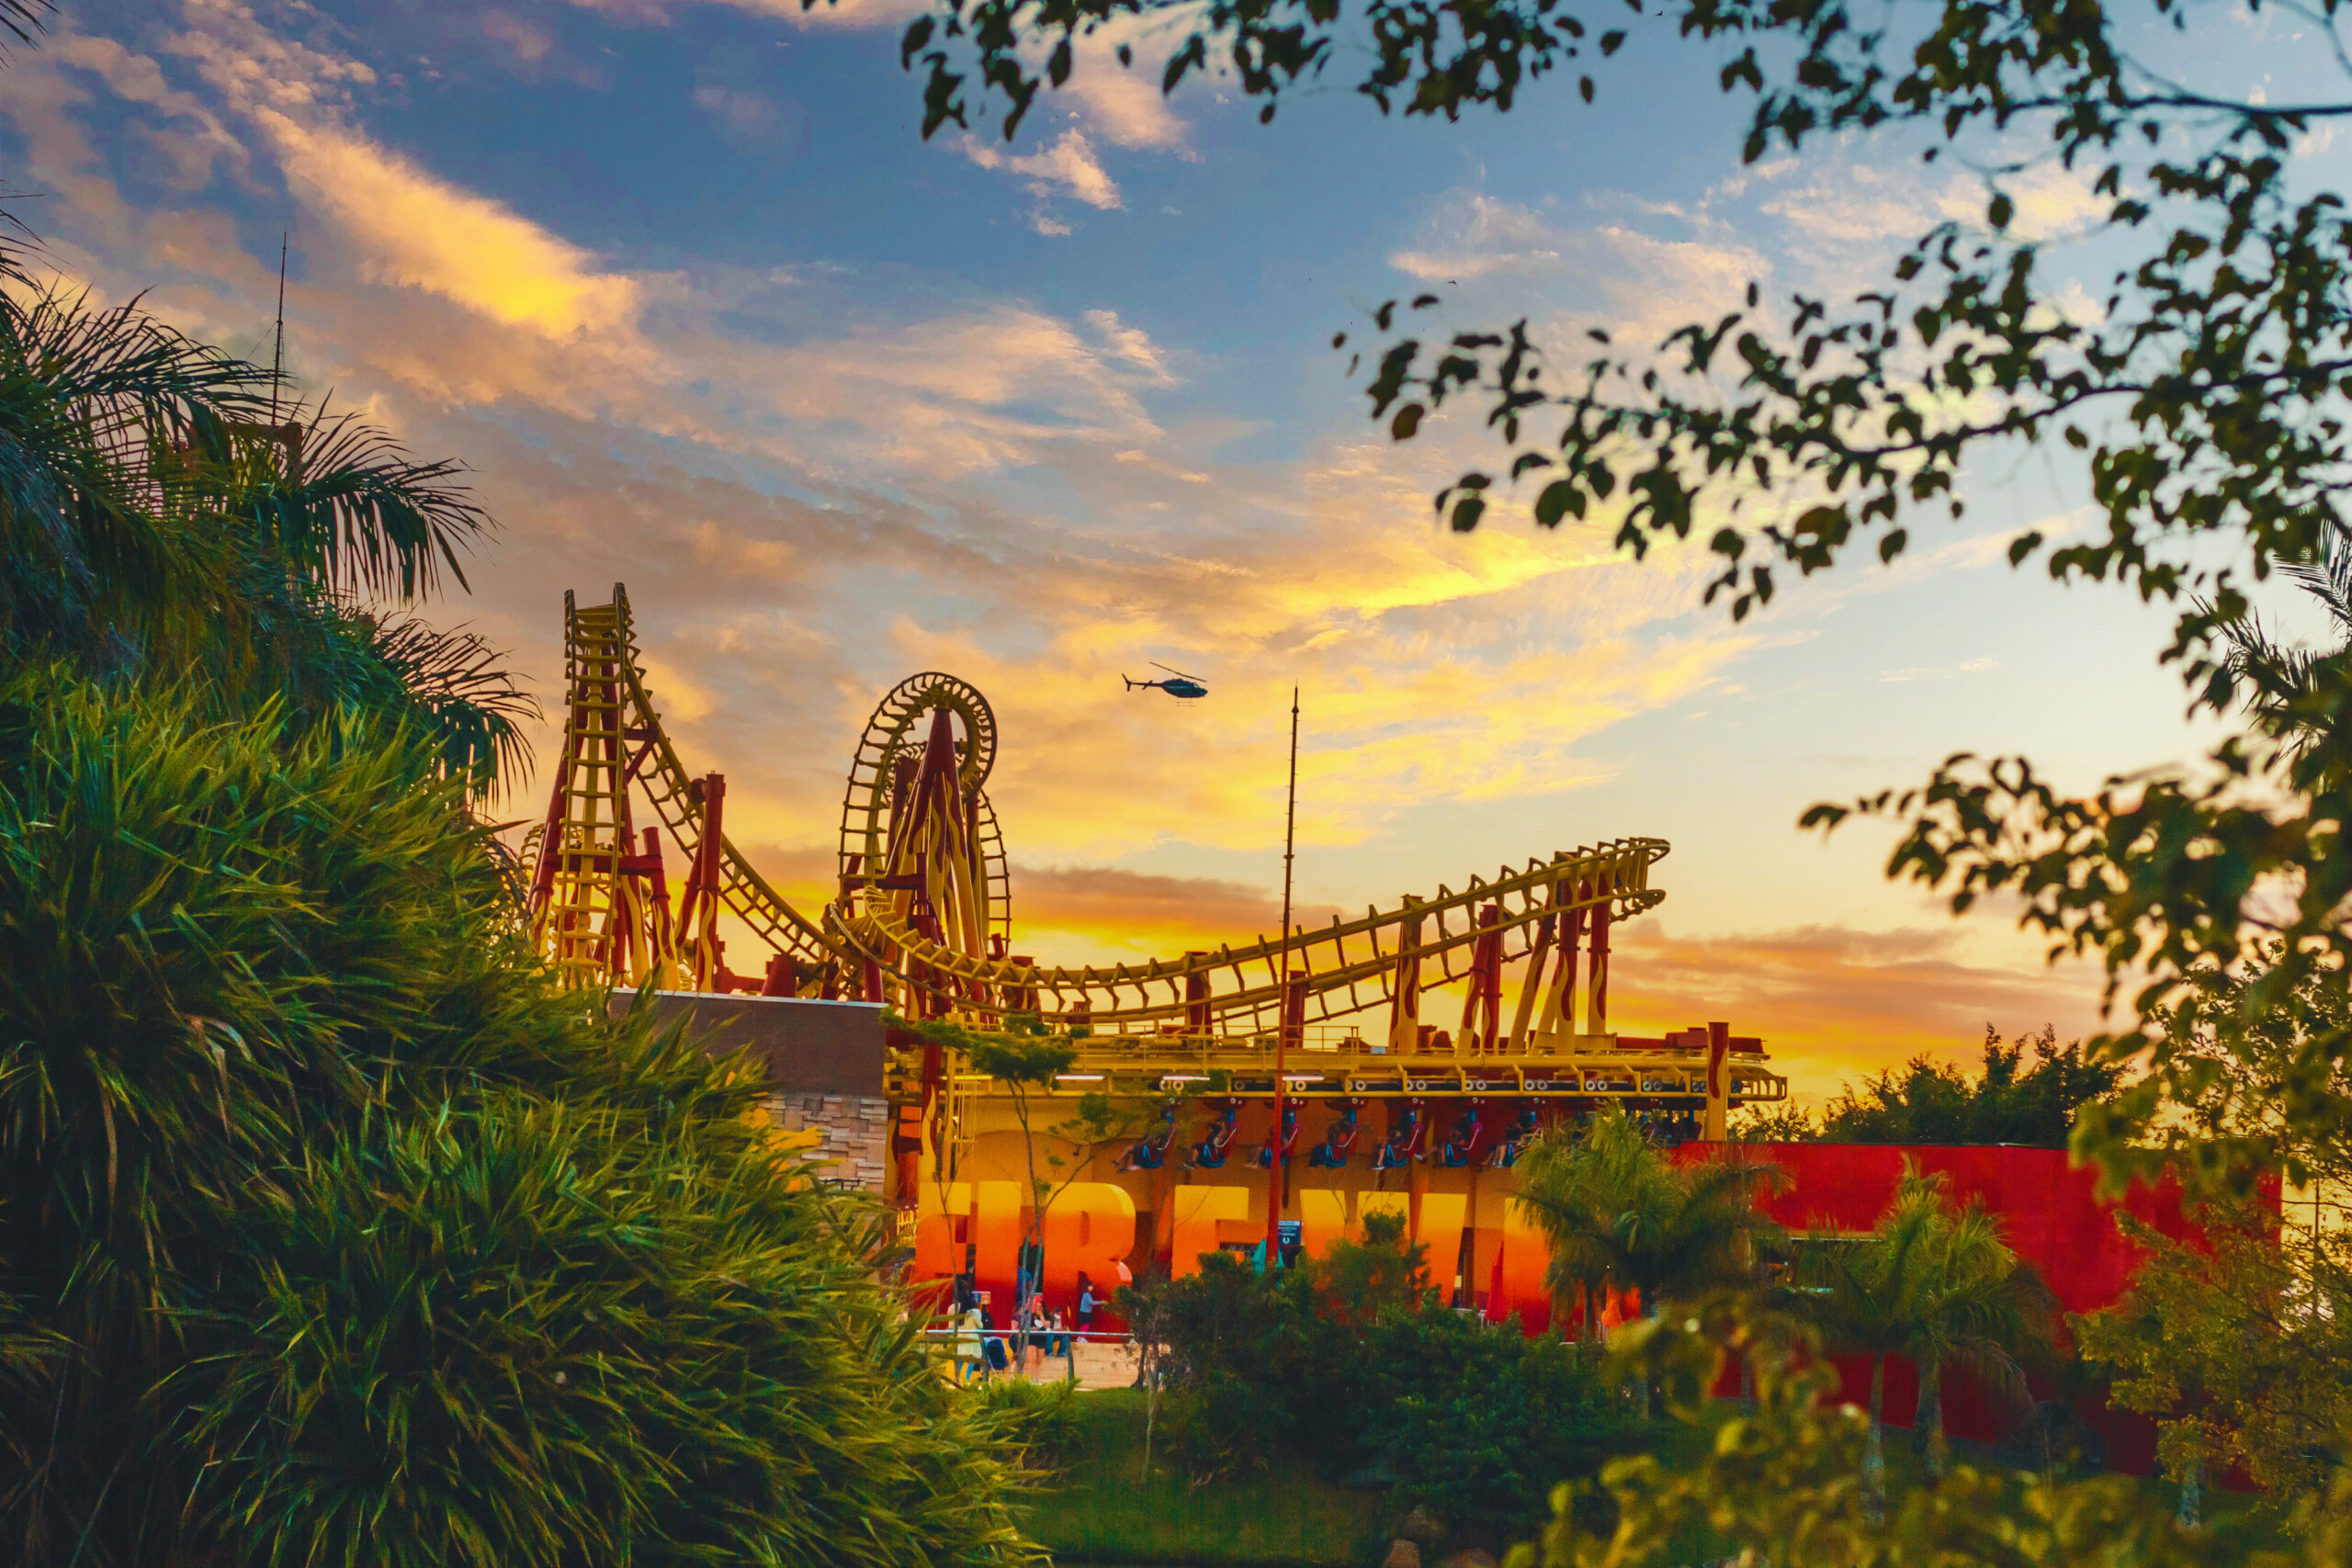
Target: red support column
1482,1007
1718,1117
1405,988
1559,1013
698,910
1539,959
1596,968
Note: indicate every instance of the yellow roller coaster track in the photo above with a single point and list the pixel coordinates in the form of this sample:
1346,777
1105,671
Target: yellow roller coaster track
1343,968
613,738
922,917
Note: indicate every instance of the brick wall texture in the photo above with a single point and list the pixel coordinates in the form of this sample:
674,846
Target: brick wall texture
856,1129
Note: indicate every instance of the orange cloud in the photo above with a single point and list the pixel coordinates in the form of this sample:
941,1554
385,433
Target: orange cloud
426,233
1831,1001
1084,914
1104,909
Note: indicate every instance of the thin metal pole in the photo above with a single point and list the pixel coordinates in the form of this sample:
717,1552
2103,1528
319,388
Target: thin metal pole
278,355
1282,1014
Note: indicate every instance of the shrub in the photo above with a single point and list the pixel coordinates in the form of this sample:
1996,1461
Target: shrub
1351,1360
331,1232
1039,1418
1480,1422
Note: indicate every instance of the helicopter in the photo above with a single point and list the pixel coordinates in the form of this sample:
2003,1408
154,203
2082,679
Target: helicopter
1179,685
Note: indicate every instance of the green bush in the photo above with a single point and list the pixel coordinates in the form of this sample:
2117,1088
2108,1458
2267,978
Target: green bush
1480,1422
2028,1091
1352,1364
331,1232
1039,1417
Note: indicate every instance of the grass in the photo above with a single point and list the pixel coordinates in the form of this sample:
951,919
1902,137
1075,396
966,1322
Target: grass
1100,1510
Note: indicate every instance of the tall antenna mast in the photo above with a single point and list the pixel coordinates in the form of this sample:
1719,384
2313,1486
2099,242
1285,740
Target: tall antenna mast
278,355
1274,1171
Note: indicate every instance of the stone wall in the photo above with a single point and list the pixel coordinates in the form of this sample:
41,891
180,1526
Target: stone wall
856,1129
824,1064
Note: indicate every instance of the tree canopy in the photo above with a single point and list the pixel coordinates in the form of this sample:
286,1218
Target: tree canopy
1933,1281
166,507
1616,1214
2028,1092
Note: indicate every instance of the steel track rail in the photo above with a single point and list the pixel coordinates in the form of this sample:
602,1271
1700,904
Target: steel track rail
1615,875
667,786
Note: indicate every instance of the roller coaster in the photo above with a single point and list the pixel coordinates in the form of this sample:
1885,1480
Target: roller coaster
921,920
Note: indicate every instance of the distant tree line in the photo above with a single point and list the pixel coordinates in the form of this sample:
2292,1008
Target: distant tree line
2028,1092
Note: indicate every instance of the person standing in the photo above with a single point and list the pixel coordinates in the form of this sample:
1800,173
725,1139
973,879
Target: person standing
993,1342
970,1362
1032,1334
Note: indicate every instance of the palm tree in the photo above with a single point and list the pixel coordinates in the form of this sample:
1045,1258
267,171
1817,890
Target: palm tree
1931,1282
1708,1235
164,508
1981,1304
1586,1193
1618,1214
2281,677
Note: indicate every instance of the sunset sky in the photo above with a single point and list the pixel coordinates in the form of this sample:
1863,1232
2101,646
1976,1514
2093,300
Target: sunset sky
684,286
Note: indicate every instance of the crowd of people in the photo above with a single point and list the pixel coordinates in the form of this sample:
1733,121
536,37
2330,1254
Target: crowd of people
1034,1333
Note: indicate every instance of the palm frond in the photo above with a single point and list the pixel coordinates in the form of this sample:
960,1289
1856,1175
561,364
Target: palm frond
2277,673
95,407
115,378
25,21
349,509
2329,579
462,687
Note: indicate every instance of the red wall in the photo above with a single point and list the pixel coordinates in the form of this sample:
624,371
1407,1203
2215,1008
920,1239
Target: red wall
2048,1212
2050,1216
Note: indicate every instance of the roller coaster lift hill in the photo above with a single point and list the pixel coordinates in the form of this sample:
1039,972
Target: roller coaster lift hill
922,922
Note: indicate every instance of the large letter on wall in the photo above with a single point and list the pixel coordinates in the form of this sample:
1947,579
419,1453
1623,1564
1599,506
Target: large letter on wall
1198,1210
1090,1228
936,1254
996,1227
1322,1218
1440,1230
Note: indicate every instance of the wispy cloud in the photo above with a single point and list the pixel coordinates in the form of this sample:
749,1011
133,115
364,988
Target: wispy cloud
1121,99
1065,167
1476,235
1939,672
1113,95
412,228
841,14
741,112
